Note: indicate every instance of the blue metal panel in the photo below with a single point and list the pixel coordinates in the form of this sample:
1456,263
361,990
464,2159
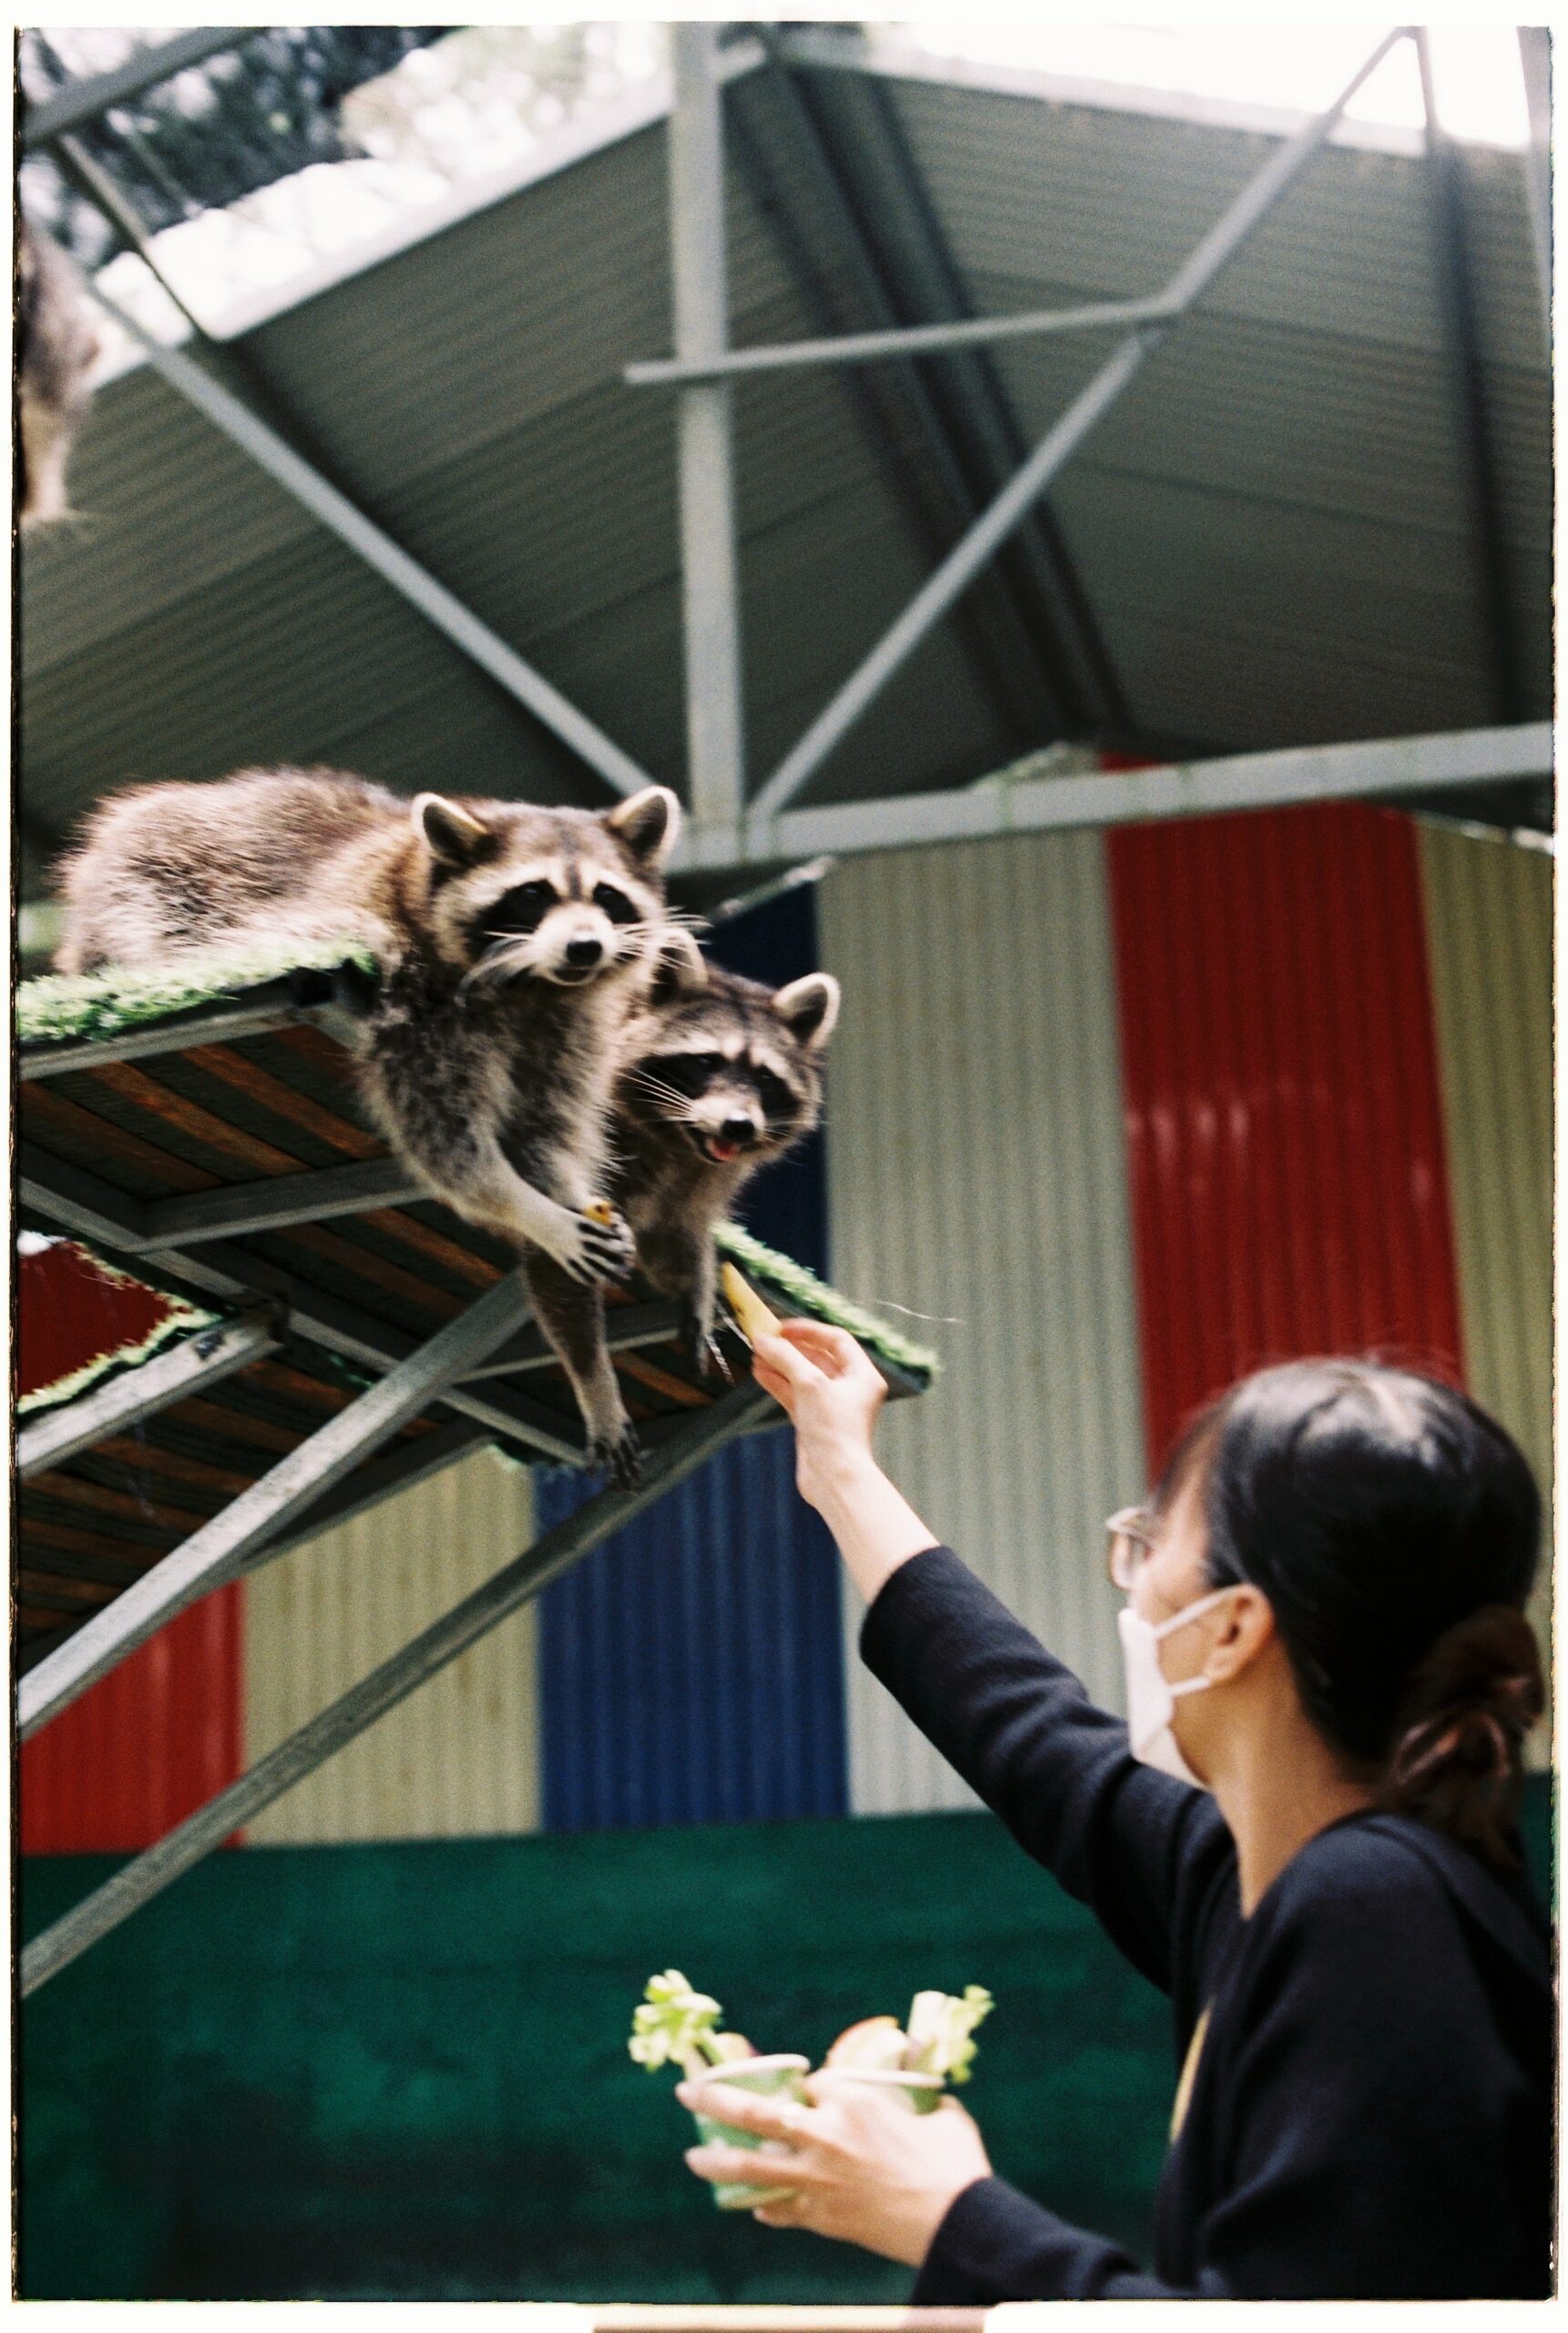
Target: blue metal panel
691,1669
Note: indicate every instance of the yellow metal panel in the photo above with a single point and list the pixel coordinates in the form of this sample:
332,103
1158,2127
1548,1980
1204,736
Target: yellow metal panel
977,1168
1489,921
461,1754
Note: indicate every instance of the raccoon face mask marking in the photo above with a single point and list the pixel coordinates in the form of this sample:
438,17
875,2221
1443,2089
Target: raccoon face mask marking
724,1066
511,897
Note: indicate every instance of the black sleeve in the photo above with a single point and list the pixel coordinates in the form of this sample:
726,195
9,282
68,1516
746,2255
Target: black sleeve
1020,1730
995,2244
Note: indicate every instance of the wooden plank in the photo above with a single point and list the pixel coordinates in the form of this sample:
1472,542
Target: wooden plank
71,1490
43,1110
139,1457
145,1092
375,1269
52,1595
37,1533
237,1425
660,1380
258,1085
477,1270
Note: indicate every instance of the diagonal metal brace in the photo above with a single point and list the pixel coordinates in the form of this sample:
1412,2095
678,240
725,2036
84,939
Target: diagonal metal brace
201,1361
515,1585
217,1552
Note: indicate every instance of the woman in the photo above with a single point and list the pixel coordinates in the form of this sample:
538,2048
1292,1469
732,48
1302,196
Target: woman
1323,1632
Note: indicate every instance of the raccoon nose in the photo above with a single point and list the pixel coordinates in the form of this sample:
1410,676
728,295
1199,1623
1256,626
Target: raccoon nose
584,952
737,1130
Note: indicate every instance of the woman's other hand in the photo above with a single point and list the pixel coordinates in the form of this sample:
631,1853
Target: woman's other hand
832,1391
865,2170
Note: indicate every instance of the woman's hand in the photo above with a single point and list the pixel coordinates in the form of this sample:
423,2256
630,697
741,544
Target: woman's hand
832,1391
864,2169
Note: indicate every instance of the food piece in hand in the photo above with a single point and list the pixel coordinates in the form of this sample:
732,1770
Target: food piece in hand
599,1211
747,1306
941,2031
876,2045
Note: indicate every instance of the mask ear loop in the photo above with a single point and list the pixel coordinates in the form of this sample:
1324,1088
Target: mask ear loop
1190,1613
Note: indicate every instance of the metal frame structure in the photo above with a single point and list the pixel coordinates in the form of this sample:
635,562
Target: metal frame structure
474,1368
470,1368
730,825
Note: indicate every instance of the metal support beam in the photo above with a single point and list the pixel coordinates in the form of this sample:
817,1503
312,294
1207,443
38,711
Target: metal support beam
217,1552
72,1200
709,566
515,1585
204,1026
271,1206
1015,801
1456,301
905,340
80,102
395,1470
1215,253
371,543
202,1360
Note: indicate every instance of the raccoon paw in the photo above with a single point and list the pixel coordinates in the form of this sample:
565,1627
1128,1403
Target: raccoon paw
593,1250
618,1454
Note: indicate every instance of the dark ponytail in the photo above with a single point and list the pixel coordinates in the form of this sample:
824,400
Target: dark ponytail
1394,1528
1457,1758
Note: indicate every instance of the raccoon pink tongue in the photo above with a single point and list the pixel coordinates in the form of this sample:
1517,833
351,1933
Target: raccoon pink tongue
724,1151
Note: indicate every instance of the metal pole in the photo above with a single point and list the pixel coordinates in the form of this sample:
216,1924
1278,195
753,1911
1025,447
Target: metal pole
217,1552
710,578
968,556
203,1360
80,102
390,561
360,1706
907,340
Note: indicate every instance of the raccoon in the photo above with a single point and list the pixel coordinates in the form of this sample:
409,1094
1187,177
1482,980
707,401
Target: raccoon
57,348
716,1075
510,940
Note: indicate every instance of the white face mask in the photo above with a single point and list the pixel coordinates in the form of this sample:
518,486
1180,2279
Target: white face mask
1150,1696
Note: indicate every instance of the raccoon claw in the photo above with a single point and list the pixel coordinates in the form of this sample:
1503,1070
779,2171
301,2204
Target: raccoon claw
618,1456
600,1250
702,1348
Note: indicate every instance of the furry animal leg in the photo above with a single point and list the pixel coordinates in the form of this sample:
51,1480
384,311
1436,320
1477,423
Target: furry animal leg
572,1317
484,1187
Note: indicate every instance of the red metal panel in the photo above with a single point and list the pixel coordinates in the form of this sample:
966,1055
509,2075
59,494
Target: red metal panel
1283,1120
160,1735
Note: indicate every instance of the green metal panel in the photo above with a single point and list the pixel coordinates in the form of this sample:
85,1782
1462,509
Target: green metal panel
1489,924
399,2070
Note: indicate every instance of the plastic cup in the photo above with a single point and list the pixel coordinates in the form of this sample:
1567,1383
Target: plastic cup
768,2077
920,2092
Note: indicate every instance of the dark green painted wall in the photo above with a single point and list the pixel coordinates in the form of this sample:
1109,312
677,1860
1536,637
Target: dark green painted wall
400,2071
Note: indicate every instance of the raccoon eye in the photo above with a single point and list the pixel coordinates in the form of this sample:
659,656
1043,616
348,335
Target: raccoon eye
689,1073
774,1095
616,904
522,909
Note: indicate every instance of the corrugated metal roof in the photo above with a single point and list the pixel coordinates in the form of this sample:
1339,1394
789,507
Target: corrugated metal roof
1271,525
977,1172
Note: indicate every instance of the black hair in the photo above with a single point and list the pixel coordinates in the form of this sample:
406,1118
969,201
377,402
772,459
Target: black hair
1395,1529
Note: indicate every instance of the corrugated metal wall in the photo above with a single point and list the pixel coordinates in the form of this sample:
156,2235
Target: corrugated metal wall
162,1734
460,1755
689,1670
976,1170
1285,1127
1489,930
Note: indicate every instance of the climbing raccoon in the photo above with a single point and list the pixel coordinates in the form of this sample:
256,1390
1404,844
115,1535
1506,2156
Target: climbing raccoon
716,1075
509,940
57,347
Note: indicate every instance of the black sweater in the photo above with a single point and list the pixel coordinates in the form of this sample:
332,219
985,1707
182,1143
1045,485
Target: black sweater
1370,2116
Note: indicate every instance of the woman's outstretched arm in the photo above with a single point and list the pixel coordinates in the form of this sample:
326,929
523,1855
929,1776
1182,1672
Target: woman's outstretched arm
1012,1719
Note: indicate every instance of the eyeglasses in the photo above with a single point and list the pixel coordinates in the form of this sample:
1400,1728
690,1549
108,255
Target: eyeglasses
1128,1543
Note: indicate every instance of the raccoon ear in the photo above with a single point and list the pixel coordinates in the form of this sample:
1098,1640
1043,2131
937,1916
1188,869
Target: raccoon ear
808,1008
646,823
679,969
453,834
